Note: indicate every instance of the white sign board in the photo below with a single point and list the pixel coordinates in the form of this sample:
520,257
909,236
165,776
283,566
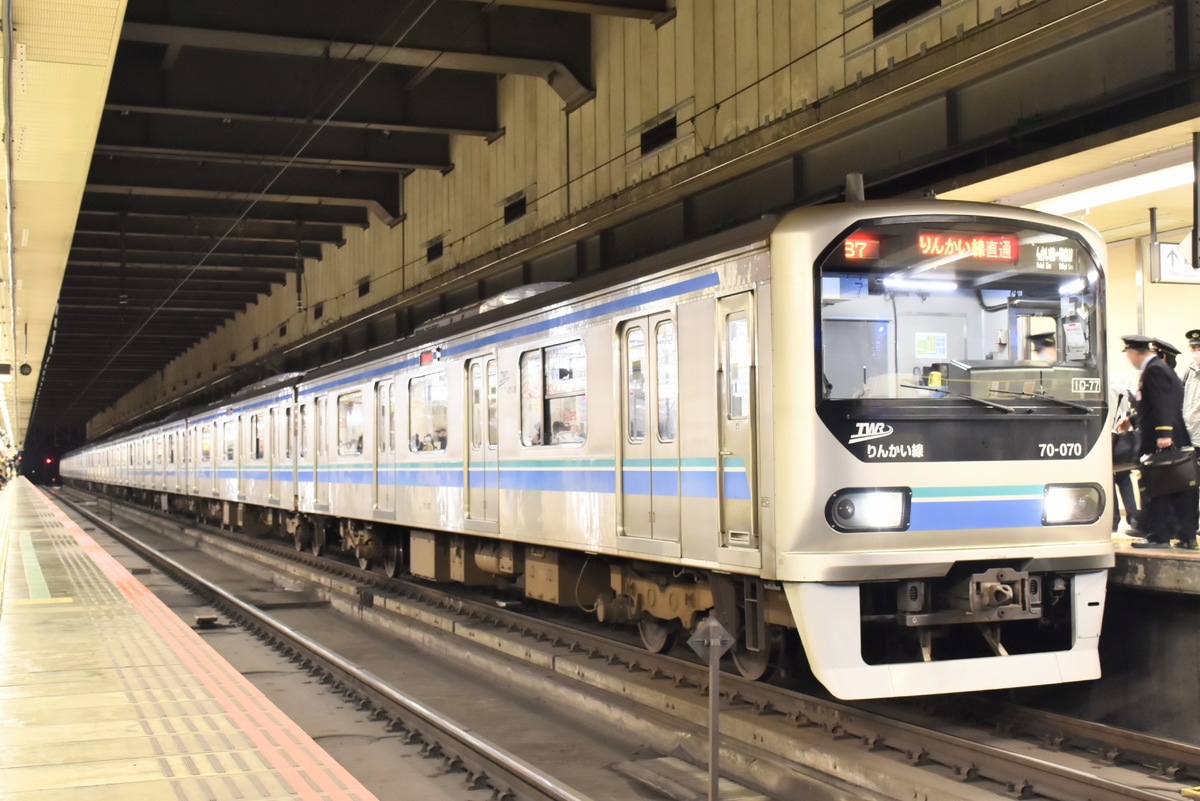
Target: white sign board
1175,265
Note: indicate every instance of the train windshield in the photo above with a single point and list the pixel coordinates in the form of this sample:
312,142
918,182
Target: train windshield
947,308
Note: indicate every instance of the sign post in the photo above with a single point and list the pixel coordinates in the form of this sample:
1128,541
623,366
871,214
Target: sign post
710,642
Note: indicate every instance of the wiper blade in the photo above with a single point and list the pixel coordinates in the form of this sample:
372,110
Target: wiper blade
981,401
1044,396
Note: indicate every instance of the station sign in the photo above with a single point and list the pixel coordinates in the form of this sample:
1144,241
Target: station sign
1174,265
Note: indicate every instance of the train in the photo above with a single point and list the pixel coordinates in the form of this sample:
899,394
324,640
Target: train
827,429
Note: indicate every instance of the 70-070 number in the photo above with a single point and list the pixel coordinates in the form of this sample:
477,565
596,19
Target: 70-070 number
1049,450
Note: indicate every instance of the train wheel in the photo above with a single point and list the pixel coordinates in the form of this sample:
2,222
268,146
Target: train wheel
317,544
391,557
657,635
760,664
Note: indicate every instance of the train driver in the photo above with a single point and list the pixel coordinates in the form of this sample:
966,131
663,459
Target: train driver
1044,346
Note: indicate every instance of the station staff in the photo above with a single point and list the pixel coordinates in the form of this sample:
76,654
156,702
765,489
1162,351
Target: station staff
1165,351
1160,426
1191,387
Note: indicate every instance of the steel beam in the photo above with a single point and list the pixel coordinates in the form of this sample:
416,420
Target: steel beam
653,10
206,83
147,205
245,231
252,142
171,275
104,258
452,52
132,244
377,191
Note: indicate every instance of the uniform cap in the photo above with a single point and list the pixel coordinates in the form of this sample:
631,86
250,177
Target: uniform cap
1040,341
1163,347
1193,336
1137,342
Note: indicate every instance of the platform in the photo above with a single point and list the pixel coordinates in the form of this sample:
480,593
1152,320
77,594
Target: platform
1162,569
105,693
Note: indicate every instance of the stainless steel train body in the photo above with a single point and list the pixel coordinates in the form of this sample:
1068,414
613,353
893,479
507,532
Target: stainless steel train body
834,429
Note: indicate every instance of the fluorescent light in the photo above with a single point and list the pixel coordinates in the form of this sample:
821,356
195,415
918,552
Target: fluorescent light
1116,191
920,285
1073,287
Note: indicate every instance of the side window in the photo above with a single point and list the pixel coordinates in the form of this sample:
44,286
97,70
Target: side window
493,401
478,407
385,428
350,424
229,440
256,437
171,449
666,369
635,381
427,413
737,333
532,395
554,402
206,444
303,432
287,433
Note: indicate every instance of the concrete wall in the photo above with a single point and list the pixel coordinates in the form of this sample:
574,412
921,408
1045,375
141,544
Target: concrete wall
1170,310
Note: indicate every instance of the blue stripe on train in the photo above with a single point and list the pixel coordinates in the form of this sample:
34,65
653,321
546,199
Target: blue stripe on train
976,513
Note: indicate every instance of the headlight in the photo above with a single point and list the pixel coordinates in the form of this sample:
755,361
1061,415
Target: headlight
884,509
1071,503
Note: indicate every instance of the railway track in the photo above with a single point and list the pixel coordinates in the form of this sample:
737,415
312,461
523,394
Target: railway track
885,748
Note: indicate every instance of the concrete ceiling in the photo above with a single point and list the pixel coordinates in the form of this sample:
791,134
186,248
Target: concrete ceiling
1118,219
187,174
61,62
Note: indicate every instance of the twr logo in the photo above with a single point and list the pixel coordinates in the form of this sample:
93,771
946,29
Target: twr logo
868,431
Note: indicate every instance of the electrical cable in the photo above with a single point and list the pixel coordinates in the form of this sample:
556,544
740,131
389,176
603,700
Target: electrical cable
429,4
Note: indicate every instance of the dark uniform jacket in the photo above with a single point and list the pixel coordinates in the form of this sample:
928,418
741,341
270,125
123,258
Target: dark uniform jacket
1160,407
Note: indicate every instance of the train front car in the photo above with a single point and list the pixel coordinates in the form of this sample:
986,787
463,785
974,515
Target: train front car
944,409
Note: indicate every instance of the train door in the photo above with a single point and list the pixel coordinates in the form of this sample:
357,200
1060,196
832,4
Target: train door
736,405
650,475
320,480
483,464
385,447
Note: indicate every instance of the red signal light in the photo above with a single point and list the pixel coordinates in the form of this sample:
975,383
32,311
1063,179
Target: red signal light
49,460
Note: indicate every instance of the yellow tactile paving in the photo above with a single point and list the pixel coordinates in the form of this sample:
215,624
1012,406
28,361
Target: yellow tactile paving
105,693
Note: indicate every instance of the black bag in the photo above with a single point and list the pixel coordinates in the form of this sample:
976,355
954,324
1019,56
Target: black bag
1170,471
1124,451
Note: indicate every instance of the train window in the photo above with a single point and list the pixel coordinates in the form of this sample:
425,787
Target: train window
171,449
930,310
287,433
256,437
303,433
668,382
158,451
493,400
206,444
383,433
532,396
635,381
737,333
350,424
554,399
478,407
229,440
427,413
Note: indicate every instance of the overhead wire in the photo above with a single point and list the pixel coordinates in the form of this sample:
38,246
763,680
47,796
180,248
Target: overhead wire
428,6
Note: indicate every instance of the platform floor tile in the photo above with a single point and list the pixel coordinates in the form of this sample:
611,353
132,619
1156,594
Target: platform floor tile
105,693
